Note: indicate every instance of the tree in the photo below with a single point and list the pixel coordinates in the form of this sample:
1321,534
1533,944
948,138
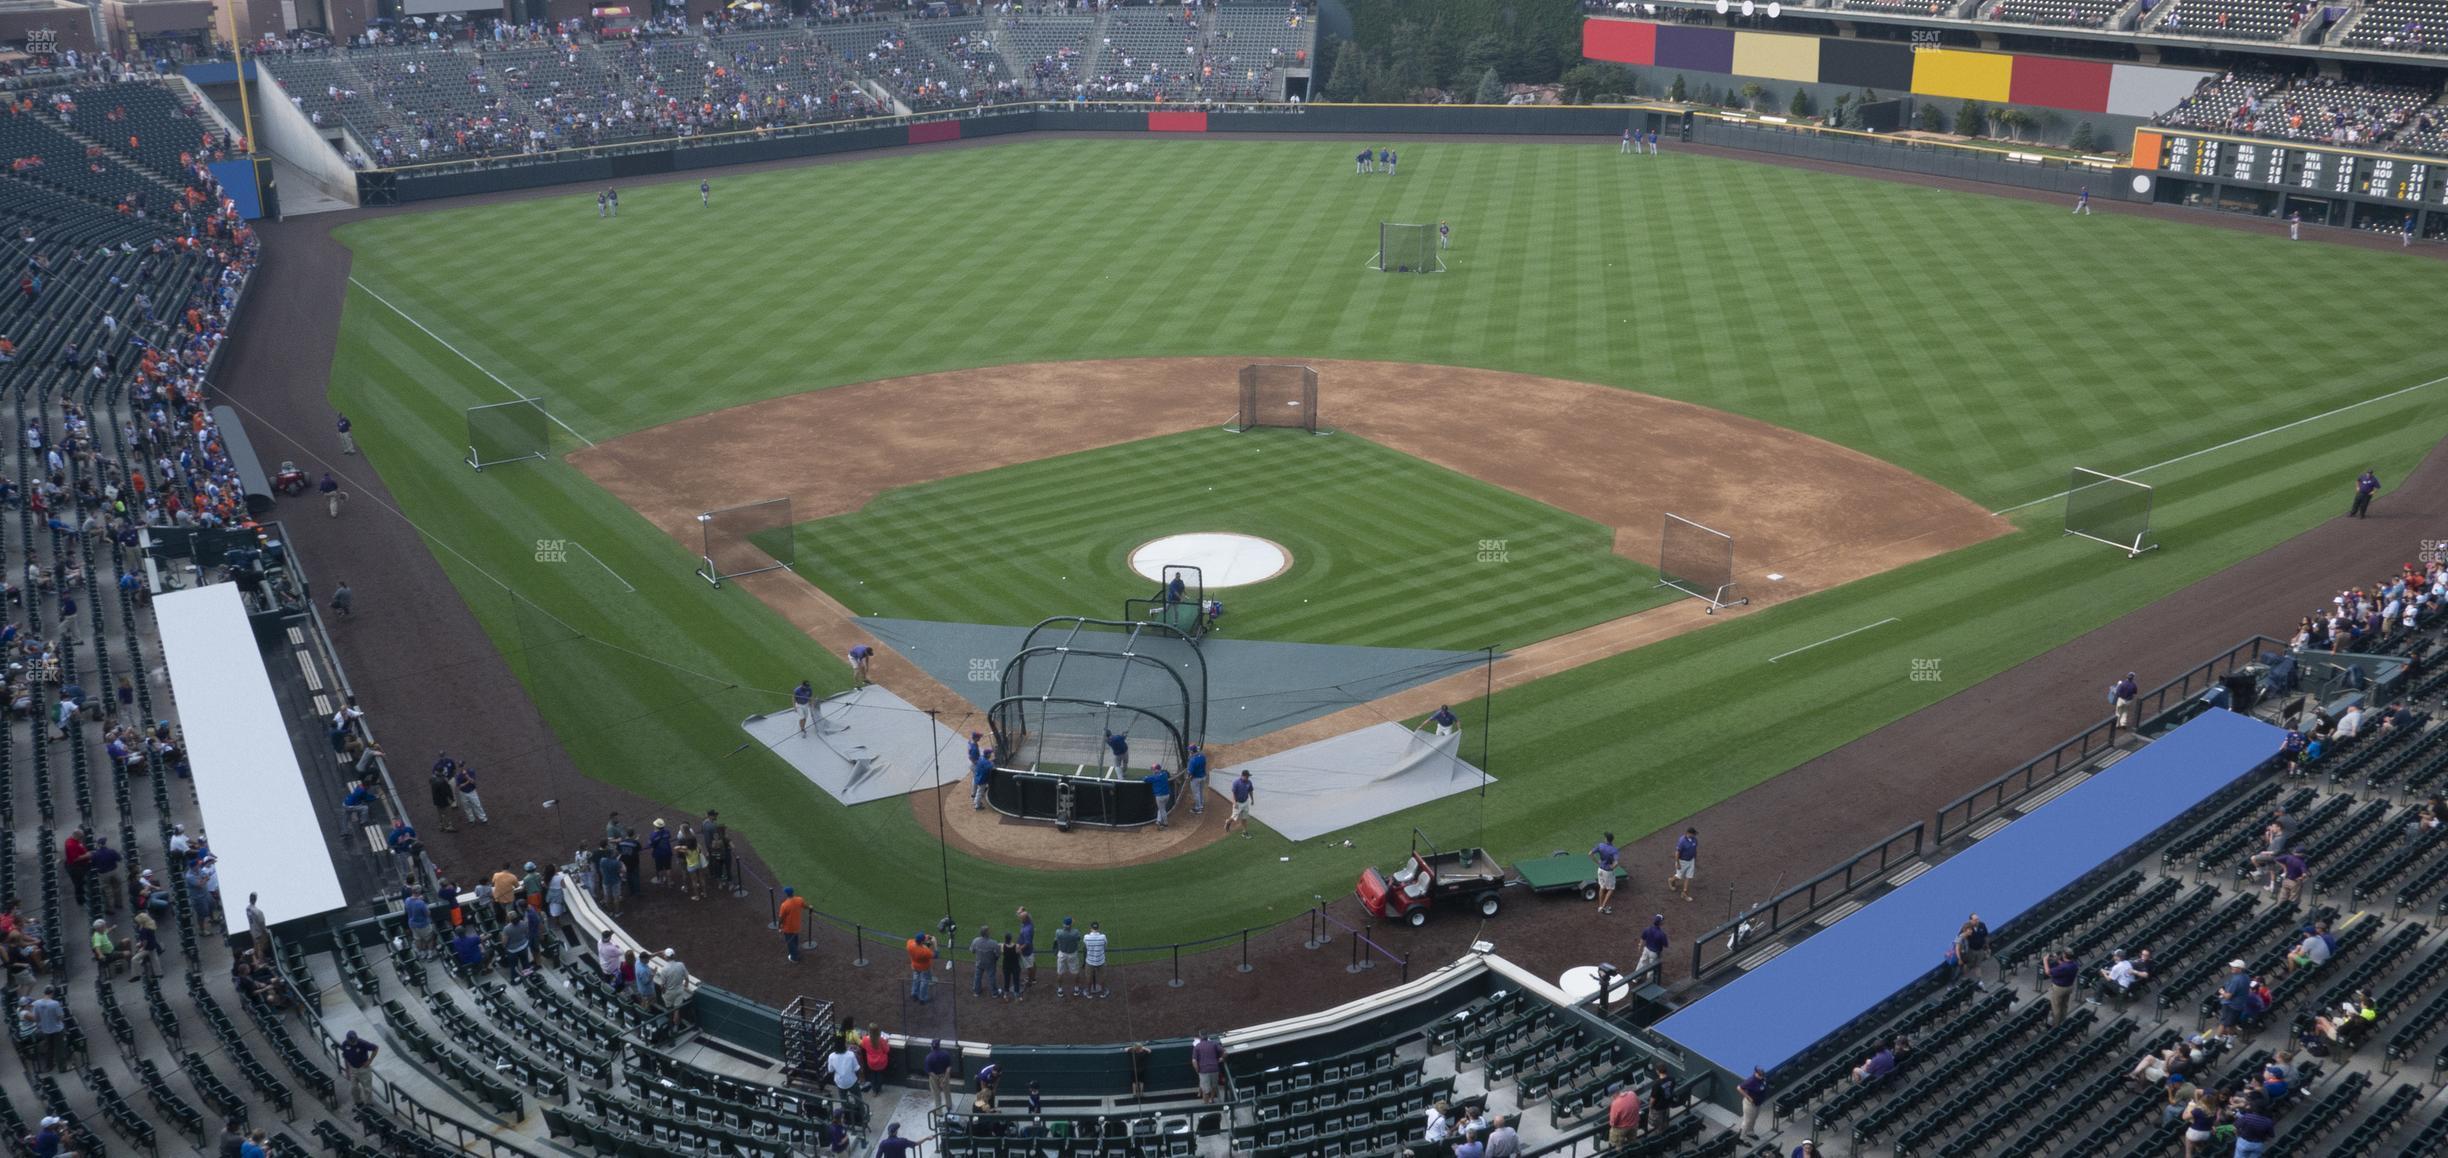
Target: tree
1752,91
1484,53
1591,81
1841,109
1491,90
1678,93
1971,120
1930,118
1801,106
1349,81
2048,123
2010,122
2085,139
1708,95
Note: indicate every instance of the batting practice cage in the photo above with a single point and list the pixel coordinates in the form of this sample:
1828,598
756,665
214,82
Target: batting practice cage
507,432
1698,561
1406,248
1273,395
747,540
2107,509
1075,682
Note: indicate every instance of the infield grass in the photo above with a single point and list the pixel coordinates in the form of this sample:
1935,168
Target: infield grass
1387,550
1987,343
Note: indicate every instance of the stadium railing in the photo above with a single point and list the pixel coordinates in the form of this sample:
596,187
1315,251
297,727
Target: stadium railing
1992,799
1717,948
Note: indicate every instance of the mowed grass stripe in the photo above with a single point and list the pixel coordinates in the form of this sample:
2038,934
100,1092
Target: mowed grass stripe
1986,344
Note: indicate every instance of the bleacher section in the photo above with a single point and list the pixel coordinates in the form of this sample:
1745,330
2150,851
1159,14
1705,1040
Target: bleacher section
2060,13
2400,26
2230,19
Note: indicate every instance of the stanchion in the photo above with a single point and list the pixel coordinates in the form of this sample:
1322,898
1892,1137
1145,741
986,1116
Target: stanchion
858,937
1318,935
1359,961
773,908
1245,965
1176,983
1406,967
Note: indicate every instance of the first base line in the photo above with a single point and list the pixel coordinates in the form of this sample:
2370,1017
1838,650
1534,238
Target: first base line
1832,639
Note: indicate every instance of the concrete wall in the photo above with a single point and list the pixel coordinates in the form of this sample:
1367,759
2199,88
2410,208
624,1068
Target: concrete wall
285,132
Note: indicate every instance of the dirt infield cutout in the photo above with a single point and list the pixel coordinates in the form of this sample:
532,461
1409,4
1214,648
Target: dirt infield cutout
1812,512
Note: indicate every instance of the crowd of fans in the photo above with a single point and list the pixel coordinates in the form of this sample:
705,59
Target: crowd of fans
2317,109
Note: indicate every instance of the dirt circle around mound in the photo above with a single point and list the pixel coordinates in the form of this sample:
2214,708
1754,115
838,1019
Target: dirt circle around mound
1810,512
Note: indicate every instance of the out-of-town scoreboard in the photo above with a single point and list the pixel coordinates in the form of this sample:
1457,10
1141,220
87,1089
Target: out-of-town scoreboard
2313,169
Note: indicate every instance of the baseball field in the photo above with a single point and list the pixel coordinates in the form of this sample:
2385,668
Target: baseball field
1973,347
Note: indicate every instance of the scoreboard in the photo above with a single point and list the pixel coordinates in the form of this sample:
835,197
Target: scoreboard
2311,168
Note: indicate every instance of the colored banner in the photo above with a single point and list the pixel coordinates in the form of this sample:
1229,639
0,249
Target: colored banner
1619,41
1872,64
1170,122
1781,57
2056,83
1894,69
1973,76
2146,149
934,131
1698,49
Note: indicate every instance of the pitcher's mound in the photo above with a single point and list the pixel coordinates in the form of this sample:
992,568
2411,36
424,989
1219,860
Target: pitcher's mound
1224,559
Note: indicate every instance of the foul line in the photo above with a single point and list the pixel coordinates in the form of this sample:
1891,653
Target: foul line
1832,639
497,379
2240,441
600,563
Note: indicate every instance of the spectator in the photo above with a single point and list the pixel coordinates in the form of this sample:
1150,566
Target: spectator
1503,1141
671,983
1971,948
357,1056
1653,947
2235,1001
1879,1064
1623,1114
791,916
988,972
939,1076
2124,973
1092,951
922,967
875,1056
843,1065
1754,1092
1008,955
468,949
444,790
2062,972
1207,1057
1067,958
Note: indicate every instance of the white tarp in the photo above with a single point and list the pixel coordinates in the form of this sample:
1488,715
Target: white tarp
863,745
257,809
1358,776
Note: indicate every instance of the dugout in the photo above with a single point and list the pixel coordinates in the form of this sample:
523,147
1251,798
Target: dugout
241,451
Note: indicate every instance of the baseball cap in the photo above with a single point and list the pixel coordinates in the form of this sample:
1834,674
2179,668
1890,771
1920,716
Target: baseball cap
671,952
53,1122
658,822
789,891
1066,921
2238,963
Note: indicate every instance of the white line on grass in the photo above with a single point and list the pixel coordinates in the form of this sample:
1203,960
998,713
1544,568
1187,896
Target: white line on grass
600,563
2240,441
497,379
1832,639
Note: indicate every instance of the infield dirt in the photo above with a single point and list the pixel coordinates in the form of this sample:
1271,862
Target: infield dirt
1809,511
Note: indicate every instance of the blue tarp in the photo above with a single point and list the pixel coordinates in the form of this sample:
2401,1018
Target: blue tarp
237,180
1778,1010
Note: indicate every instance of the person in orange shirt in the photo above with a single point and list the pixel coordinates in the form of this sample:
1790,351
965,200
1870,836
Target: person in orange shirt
792,916
922,968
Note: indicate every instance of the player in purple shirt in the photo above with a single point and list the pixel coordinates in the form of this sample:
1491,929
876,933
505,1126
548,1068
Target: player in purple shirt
1604,855
1653,945
1687,862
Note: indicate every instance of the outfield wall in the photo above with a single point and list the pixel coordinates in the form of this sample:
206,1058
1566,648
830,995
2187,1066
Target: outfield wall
1360,123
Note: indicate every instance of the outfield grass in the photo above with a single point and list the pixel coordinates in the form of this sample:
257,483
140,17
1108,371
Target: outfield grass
1385,548
1987,343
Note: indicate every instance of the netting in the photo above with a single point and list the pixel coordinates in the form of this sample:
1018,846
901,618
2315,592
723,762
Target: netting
2109,509
747,539
1697,561
507,432
1407,248
1278,395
